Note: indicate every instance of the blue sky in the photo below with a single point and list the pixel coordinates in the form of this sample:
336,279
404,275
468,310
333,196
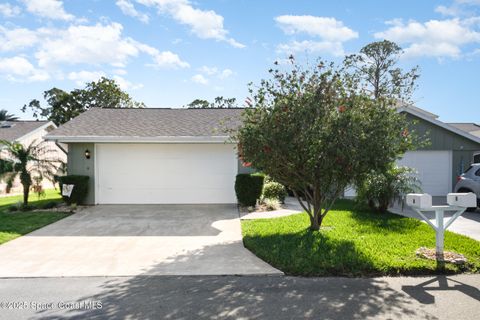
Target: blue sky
168,52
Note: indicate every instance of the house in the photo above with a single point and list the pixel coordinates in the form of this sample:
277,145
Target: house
142,156
26,132
450,152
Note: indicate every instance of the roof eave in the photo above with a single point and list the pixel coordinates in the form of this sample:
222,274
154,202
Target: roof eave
440,124
133,139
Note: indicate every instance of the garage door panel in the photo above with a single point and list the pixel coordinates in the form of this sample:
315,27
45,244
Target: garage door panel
175,173
434,170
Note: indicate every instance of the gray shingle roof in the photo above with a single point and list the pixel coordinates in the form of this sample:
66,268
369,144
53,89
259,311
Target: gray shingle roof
149,123
12,130
467,127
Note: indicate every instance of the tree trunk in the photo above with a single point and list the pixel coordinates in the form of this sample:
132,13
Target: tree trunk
316,218
26,191
316,222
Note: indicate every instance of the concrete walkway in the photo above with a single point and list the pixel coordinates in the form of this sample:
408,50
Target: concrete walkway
130,240
467,224
245,297
291,206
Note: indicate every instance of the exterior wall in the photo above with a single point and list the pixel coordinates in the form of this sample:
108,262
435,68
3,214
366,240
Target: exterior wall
79,165
242,169
462,148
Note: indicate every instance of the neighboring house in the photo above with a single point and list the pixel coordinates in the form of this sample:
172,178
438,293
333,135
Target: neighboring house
136,156
26,132
450,152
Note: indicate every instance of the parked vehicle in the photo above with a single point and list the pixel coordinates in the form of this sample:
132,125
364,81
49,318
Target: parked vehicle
469,181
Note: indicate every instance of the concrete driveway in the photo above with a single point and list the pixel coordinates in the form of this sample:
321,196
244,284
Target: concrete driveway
128,240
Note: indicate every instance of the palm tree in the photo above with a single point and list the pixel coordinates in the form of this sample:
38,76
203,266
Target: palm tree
35,161
5,116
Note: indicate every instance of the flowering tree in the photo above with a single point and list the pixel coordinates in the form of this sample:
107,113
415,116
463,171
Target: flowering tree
315,132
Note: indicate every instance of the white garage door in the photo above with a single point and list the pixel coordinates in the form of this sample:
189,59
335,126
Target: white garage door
434,170
165,173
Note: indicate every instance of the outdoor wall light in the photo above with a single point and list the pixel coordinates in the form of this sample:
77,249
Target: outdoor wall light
87,154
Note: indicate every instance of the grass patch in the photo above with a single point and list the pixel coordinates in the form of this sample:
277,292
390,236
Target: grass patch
353,243
16,224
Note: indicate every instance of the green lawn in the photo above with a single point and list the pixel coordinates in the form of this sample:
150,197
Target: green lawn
353,243
16,224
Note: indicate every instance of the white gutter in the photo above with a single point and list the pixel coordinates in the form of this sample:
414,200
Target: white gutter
133,139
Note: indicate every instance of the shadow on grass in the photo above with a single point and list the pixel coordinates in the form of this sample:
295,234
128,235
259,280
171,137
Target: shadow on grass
309,253
378,220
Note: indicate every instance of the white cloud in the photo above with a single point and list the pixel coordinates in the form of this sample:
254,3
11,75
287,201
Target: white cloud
19,69
458,8
129,9
205,24
8,10
198,78
15,39
308,46
168,59
326,28
96,44
214,71
93,45
125,84
120,72
82,77
435,38
51,9
208,70
226,73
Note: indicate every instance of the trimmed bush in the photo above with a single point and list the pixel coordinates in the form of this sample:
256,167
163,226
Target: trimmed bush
80,188
248,188
49,205
274,190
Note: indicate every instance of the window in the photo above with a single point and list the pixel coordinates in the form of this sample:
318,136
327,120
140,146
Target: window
476,158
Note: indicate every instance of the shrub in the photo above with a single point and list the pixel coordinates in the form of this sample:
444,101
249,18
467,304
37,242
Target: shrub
271,204
248,188
274,190
27,207
19,206
379,190
49,205
80,188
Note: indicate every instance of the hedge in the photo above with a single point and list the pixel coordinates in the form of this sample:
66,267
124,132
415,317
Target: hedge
248,188
80,189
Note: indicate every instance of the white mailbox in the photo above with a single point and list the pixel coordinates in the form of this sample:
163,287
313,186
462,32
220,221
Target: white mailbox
465,200
419,200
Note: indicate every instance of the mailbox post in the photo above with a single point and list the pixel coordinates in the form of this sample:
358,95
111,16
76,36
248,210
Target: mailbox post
457,202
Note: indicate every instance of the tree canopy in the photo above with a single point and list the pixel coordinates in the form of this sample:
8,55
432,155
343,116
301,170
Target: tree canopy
63,106
219,103
376,69
5,116
316,131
